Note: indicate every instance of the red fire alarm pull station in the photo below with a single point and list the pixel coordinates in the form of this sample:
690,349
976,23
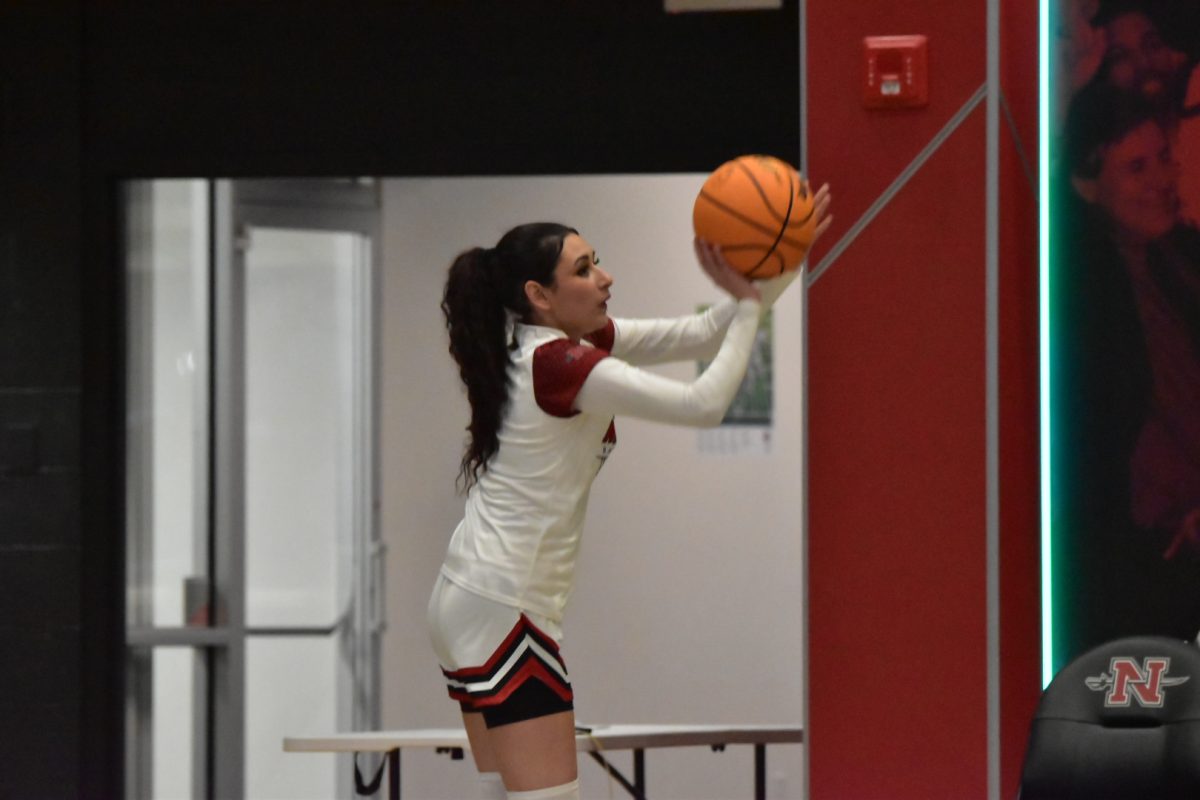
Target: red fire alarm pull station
896,73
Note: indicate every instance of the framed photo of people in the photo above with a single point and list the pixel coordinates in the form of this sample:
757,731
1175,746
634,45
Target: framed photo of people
1120,181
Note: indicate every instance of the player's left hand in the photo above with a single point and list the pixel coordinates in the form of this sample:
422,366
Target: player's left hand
821,202
722,273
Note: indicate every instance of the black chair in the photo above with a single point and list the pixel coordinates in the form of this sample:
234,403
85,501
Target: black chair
1120,721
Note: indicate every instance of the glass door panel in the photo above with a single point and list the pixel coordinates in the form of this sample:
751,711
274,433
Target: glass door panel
167,542
290,692
300,410
174,721
167,407
303,274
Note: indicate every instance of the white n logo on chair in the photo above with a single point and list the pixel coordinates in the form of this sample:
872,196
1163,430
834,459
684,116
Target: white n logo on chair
1126,680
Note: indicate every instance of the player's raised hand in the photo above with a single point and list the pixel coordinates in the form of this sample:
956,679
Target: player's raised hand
821,203
721,273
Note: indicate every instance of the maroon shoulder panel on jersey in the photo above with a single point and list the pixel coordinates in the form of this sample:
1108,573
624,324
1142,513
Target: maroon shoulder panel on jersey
559,370
605,337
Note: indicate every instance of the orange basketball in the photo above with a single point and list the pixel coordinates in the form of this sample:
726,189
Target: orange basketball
758,209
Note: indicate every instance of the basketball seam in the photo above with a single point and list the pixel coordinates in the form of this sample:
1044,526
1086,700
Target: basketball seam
736,214
787,221
811,208
752,223
779,268
761,228
757,226
730,248
762,193
782,227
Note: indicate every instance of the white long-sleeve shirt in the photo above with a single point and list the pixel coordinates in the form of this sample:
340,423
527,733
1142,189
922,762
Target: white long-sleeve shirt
519,537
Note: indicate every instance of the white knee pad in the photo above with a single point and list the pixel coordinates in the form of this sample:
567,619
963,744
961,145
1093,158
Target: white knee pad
491,786
567,791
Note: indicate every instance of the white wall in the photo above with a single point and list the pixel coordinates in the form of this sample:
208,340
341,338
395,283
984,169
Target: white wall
688,606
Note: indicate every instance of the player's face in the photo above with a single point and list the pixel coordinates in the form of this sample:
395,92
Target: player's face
1138,184
578,300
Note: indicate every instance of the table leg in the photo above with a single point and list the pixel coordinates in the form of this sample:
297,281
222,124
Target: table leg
393,758
636,788
760,772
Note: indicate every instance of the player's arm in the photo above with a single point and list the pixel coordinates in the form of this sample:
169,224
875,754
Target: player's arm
657,341
695,336
615,387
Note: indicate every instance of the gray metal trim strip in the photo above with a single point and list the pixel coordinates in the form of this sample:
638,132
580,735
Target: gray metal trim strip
869,215
177,637
992,336
1026,165
805,691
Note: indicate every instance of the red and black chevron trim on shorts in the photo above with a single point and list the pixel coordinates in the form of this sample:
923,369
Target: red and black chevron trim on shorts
527,653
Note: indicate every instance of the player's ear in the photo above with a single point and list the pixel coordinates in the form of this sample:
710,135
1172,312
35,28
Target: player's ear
537,296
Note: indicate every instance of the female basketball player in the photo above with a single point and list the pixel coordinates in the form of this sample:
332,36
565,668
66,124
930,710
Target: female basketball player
546,371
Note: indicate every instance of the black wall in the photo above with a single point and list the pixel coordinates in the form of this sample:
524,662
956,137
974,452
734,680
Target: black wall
93,92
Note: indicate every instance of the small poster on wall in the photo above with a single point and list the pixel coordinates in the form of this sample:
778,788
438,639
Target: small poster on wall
747,426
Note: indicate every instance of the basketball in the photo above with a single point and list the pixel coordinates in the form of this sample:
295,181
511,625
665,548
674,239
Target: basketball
759,210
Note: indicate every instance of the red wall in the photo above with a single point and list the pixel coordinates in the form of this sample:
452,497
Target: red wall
897,415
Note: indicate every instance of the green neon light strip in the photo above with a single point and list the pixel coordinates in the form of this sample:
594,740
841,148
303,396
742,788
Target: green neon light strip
1044,330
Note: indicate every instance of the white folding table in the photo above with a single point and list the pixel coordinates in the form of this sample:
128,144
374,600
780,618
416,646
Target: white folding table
594,741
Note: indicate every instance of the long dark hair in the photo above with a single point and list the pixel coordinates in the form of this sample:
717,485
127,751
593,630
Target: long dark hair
484,284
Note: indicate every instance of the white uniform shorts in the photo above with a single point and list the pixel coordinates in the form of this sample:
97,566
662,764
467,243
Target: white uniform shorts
497,659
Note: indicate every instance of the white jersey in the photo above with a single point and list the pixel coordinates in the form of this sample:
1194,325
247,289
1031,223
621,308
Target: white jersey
520,533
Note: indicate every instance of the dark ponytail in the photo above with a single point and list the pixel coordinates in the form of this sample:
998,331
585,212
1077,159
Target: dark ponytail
481,287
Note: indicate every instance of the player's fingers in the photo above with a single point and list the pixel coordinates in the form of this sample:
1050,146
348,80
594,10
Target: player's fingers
705,250
713,261
821,203
720,260
822,226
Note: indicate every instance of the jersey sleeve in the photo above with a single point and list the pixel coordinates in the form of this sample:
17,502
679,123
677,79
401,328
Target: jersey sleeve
695,336
560,368
616,387
657,341
772,288
604,337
